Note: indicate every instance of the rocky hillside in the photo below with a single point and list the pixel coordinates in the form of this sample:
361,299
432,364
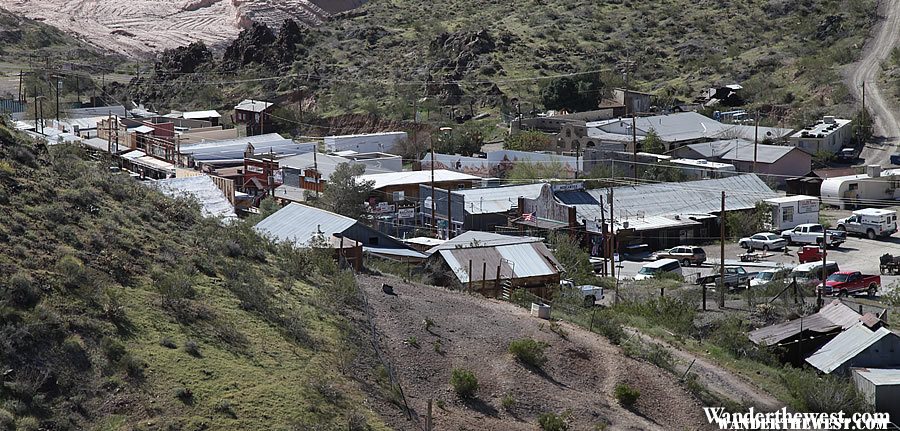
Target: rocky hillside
123,309
139,28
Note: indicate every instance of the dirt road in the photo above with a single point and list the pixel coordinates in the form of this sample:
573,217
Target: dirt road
580,375
877,49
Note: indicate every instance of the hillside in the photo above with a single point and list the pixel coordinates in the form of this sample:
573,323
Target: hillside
123,309
141,28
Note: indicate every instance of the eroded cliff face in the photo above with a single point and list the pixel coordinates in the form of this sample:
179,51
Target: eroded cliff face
144,27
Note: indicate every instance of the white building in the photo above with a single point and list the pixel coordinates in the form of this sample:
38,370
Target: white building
703,169
365,143
829,134
863,190
790,211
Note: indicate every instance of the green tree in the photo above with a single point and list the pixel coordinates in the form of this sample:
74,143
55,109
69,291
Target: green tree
528,141
465,140
573,93
528,171
345,195
574,259
652,143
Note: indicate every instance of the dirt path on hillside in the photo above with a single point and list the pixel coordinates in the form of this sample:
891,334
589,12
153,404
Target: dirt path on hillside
580,375
877,49
717,379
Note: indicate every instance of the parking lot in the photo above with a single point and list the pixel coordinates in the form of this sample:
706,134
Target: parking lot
856,253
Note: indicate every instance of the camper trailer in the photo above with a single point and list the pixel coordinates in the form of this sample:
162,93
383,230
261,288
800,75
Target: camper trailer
857,191
790,211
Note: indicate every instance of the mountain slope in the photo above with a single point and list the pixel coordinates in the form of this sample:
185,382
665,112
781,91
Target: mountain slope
123,309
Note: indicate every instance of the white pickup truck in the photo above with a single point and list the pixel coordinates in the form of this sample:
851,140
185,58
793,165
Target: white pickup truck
871,222
811,233
588,292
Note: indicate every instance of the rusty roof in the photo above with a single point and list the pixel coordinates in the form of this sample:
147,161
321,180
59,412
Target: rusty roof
831,317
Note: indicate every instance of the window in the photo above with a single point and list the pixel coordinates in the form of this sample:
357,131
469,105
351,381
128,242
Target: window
854,187
788,215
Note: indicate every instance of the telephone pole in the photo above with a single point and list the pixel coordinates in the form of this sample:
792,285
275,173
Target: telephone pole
722,254
449,212
755,140
604,237
433,220
316,168
612,241
634,145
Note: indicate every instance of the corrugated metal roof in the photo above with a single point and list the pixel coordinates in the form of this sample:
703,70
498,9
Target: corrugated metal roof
213,202
252,105
703,197
103,145
476,238
742,150
395,252
300,223
196,115
143,129
831,317
681,126
845,346
490,200
414,177
880,376
515,261
326,164
233,149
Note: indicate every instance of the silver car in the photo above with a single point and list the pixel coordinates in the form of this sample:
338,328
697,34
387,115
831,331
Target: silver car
763,241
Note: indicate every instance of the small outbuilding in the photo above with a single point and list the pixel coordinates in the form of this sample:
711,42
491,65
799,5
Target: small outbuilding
880,387
858,346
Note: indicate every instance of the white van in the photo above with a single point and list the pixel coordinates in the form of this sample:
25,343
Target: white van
812,271
653,269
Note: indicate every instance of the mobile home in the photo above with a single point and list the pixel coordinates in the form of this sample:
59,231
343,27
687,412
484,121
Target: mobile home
790,211
863,190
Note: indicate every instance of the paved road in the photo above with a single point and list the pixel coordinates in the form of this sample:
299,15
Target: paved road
877,49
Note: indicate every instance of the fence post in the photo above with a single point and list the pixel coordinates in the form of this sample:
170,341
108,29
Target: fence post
704,297
483,276
749,296
497,281
469,284
662,292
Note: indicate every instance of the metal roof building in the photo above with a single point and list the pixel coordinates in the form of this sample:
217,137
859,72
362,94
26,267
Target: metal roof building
253,105
832,317
474,238
232,150
691,197
414,177
680,127
528,264
213,202
326,164
881,388
497,199
858,346
301,225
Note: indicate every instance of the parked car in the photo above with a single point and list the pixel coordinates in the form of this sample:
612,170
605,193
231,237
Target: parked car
847,155
844,283
661,266
807,273
811,233
810,253
588,292
767,276
763,241
687,255
735,276
871,222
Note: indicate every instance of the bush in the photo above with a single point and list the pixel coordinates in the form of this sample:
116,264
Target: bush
552,422
822,394
192,348
626,395
23,292
508,401
224,407
529,351
184,394
113,349
168,343
71,269
464,382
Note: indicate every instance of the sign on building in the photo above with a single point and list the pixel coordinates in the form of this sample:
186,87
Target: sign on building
406,213
808,206
571,187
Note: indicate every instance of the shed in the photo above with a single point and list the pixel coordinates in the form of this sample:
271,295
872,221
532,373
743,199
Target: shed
858,346
880,387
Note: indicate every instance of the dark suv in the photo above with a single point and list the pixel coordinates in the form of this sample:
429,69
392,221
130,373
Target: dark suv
686,254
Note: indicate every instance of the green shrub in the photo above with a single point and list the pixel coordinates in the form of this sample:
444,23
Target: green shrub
184,394
508,401
113,349
192,348
27,423
673,313
822,394
168,343
626,395
552,422
529,351
71,269
224,407
23,292
464,382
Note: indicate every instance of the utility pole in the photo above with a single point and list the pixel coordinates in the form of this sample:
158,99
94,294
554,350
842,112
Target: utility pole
433,220
824,255
56,78
316,168
449,212
21,98
634,145
755,140
605,238
722,254
109,133
612,241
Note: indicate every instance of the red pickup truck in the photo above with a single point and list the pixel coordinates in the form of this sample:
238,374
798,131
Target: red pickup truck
843,283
